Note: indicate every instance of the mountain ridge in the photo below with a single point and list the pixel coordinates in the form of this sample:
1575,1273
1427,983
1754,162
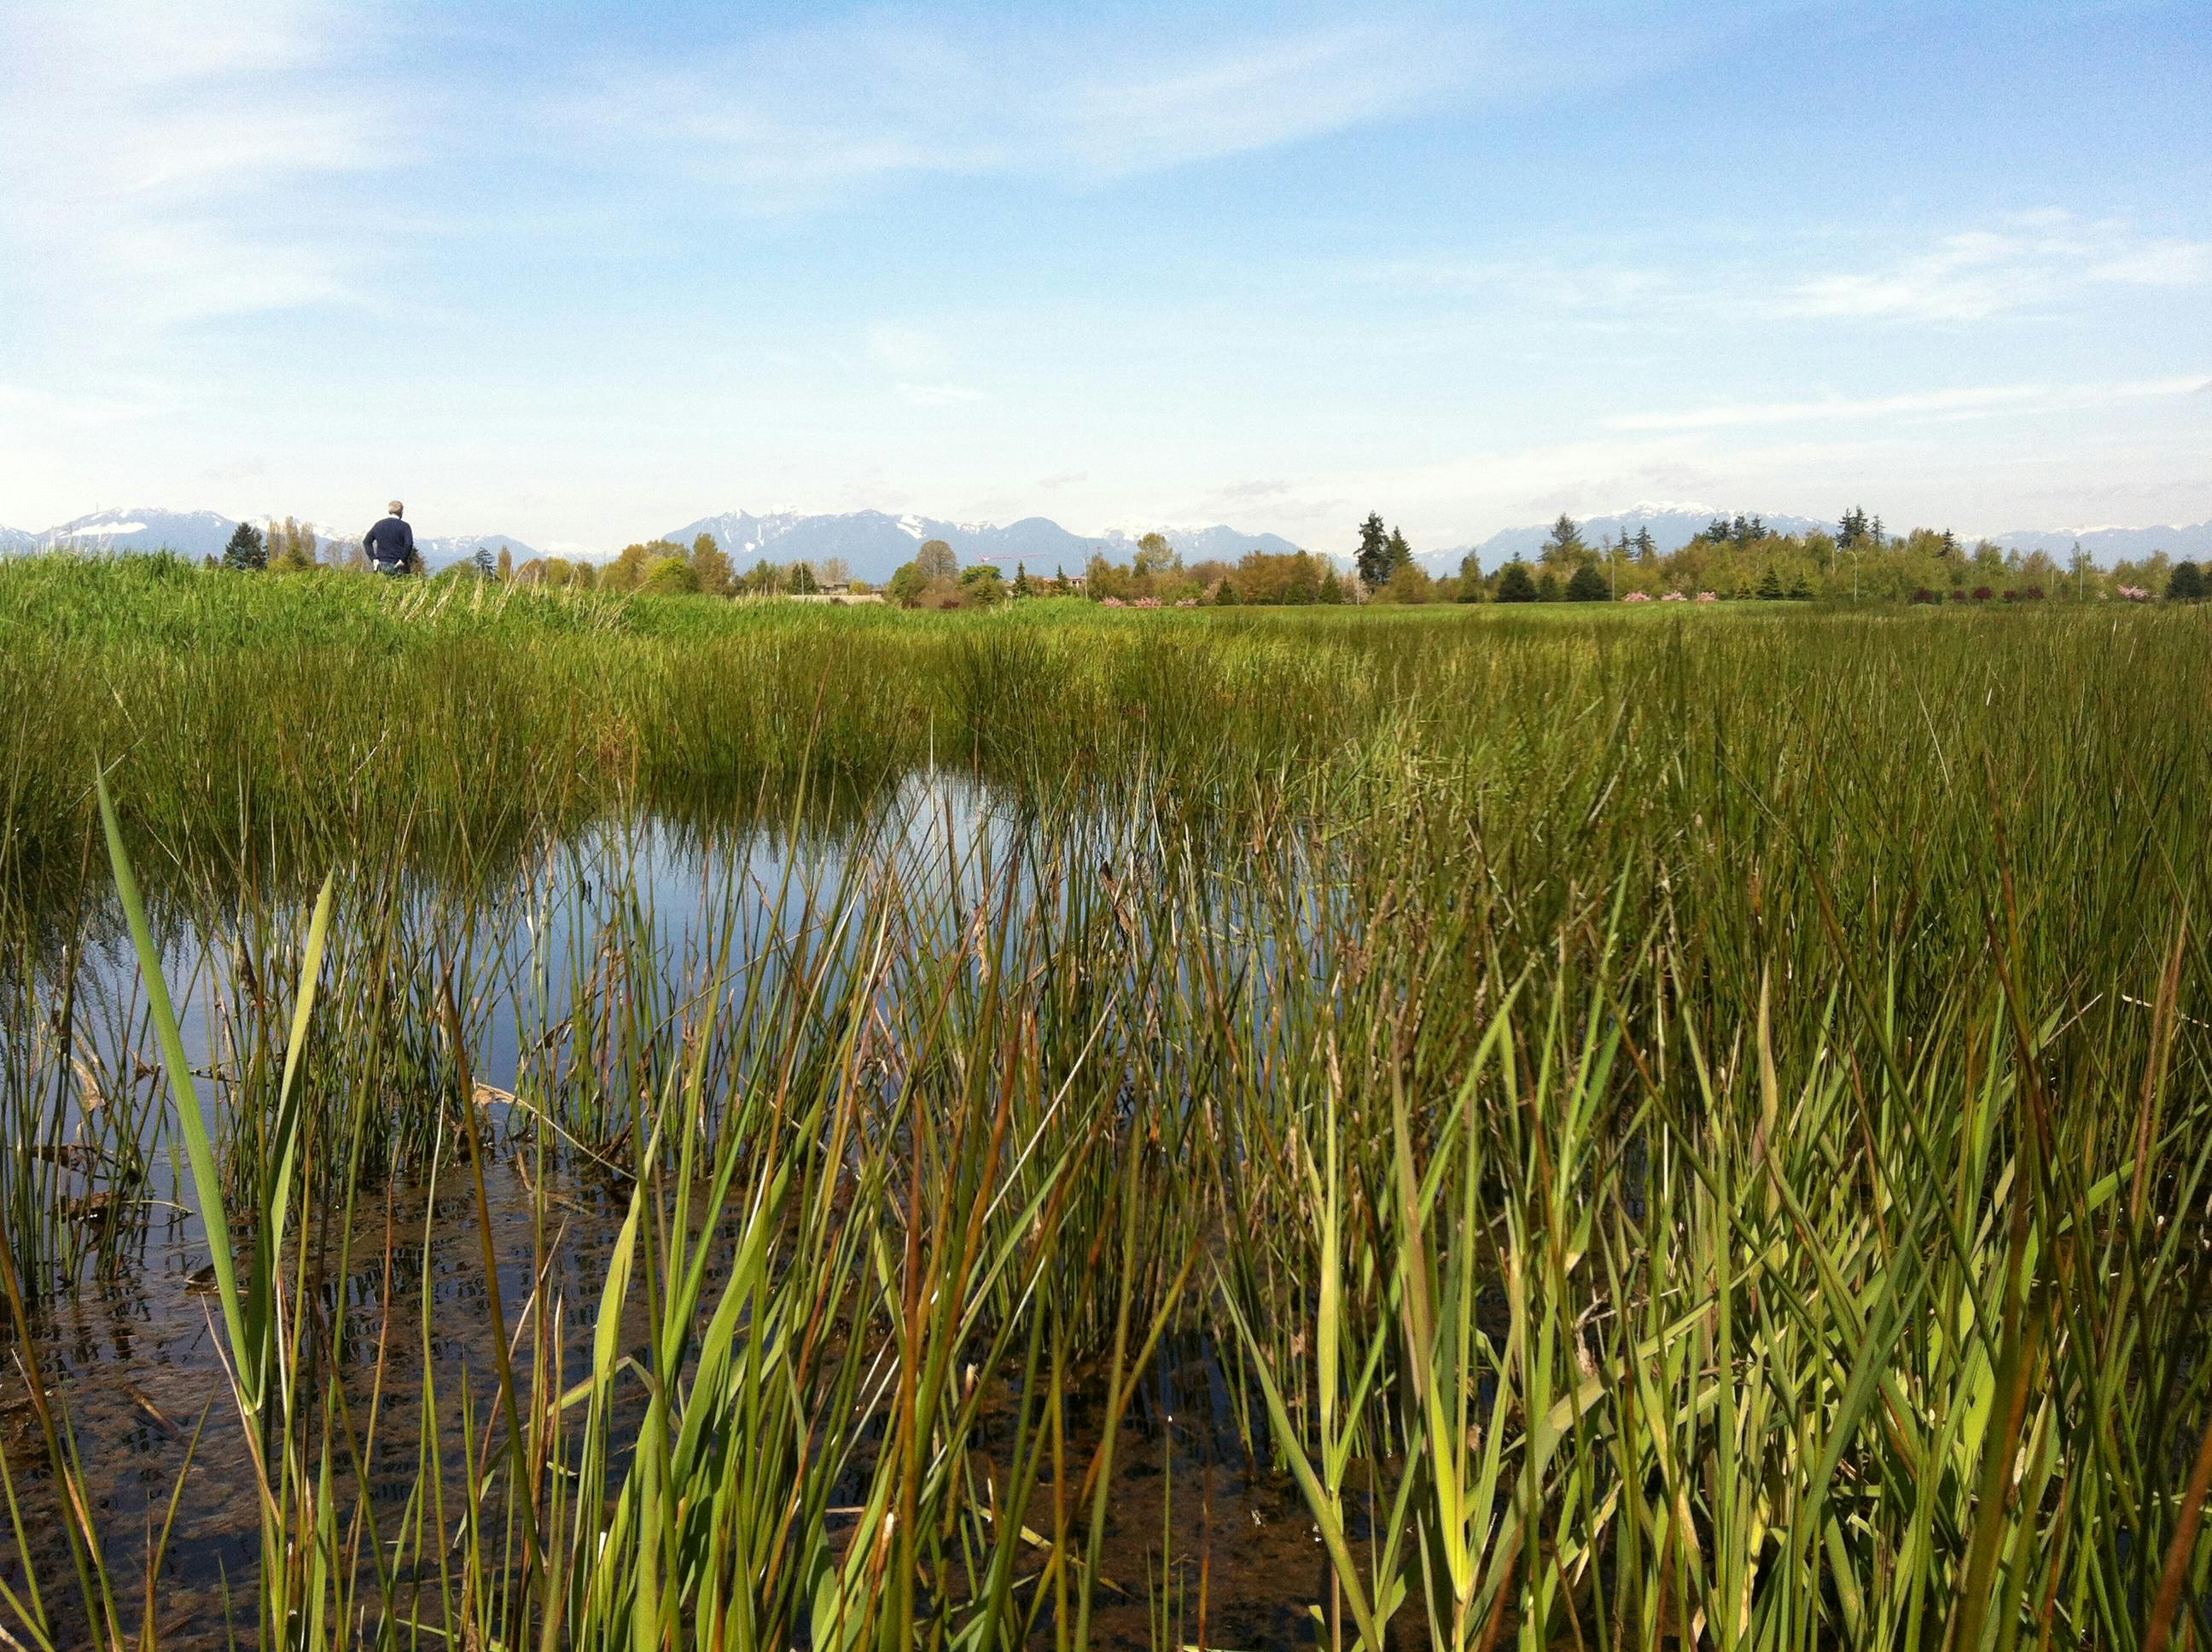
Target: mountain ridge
874,543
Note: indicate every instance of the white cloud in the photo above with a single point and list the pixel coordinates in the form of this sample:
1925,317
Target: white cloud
793,119
79,409
154,153
2031,261
1965,401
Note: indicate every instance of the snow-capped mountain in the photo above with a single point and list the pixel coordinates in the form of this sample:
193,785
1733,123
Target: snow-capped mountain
189,533
1672,526
444,551
1216,544
874,543
2115,544
205,533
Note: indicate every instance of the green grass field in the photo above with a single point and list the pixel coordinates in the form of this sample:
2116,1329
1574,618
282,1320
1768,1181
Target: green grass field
1658,1125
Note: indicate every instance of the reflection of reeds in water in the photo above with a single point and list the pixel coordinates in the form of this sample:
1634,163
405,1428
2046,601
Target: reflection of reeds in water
1635,1131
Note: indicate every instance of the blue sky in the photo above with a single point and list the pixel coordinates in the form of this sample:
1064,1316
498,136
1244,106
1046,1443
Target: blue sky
581,273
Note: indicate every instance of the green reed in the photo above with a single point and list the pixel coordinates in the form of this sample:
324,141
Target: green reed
1680,1128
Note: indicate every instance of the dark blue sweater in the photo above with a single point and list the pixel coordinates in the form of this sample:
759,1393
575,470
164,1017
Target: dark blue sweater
390,541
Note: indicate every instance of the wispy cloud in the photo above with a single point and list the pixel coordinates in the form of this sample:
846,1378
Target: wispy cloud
2029,262
794,118
148,150
1964,401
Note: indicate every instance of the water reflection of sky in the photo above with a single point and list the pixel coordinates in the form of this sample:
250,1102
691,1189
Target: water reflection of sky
129,1349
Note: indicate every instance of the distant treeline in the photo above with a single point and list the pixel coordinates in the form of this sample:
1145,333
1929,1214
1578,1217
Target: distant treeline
1731,558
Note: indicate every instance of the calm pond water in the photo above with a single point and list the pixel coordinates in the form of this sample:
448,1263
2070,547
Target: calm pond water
130,1347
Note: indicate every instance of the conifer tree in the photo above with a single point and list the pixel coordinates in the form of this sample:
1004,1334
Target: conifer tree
1517,584
248,552
1588,584
1374,556
1563,544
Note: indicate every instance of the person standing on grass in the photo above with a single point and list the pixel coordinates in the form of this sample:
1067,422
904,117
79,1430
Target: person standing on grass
390,543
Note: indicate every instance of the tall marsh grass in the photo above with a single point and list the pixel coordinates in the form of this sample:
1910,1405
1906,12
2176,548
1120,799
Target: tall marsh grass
1686,1130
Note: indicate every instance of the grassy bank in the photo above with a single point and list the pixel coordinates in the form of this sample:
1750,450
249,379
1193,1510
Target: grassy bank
1683,1128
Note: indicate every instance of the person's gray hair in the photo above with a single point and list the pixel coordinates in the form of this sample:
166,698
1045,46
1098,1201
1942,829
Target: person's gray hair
396,508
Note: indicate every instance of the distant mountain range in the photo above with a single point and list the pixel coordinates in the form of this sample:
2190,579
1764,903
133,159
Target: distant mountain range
874,543
189,533
205,533
2190,541
1673,526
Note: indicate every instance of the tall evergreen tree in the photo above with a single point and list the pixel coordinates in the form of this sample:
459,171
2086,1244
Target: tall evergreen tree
1373,560
247,550
1517,584
485,565
1647,549
1588,585
1563,544
1401,554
